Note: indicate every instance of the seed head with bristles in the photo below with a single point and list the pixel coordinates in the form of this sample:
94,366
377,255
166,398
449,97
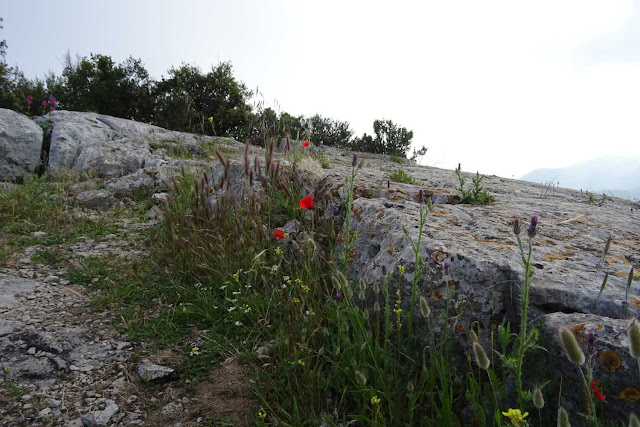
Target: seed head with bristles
563,418
481,357
360,378
633,420
538,399
634,340
571,346
473,336
424,307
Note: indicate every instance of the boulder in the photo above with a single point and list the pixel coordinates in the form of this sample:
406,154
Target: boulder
20,145
96,199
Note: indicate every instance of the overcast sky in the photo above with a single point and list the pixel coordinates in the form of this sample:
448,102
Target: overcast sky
502,87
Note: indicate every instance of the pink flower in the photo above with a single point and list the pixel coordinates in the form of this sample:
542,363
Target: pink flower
29,99
44,103
52,101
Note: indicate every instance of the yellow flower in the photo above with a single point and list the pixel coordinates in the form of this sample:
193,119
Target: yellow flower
305,288
375,400
515,416
401,268
278,251
296,300
301,362
262,414
286,235
236,277
274,268
210,119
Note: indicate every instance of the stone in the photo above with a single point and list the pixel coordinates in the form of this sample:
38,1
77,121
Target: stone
127,185
44,412
149,371
100,200
100,418
171,408
20,145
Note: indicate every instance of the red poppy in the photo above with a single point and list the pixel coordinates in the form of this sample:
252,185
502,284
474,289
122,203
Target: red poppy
306,203
305,144
596,391
278,233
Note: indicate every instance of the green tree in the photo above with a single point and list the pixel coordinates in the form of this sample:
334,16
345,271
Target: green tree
323,130
99,84
187,98
389,139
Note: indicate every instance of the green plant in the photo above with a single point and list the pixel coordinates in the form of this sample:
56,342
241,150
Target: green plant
389,139
593,200
476,195
399,175
548,189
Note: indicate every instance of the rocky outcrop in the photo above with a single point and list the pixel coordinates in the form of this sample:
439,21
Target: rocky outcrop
20,145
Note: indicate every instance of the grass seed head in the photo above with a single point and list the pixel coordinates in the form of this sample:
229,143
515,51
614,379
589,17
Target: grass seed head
481,357
538,399
571,346
633,420
424,307
563,418
634,340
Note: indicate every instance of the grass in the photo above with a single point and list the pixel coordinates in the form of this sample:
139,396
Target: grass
399,175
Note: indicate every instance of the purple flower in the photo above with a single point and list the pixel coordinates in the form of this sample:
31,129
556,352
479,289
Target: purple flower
591,338
29,99
354,162
338,296
421,195
533,227
53,108
446,266
44,103
52,101
384,270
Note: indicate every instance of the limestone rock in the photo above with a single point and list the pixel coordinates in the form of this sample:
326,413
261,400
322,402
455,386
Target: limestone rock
96,199
150,371
20,145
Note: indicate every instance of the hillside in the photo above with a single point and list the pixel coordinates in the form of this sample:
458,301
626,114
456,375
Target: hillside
164,278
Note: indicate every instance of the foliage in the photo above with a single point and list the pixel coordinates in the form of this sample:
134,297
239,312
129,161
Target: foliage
389,139
476,195
187,98
595,201
399,175
98,84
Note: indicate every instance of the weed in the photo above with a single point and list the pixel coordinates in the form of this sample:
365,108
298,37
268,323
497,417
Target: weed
599,202
549,188
476,195
399,175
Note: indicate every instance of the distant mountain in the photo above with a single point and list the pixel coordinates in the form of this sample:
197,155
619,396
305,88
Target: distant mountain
614,175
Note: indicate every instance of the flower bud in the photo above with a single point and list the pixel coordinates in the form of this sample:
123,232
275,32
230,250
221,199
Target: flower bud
571,346
473,336
516,226
354,161
376,288
533,227
361,379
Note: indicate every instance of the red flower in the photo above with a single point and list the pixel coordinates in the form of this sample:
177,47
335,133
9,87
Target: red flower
306,203
596,391
305,144
278,233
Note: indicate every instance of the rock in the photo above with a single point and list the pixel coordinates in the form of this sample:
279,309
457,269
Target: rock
44,412
20,145
100,418
130,184
96,199
53,403
615,370
10,287
51,278
160,199
171,408
149,371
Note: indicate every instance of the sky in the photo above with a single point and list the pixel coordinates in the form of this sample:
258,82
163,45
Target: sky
501,87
